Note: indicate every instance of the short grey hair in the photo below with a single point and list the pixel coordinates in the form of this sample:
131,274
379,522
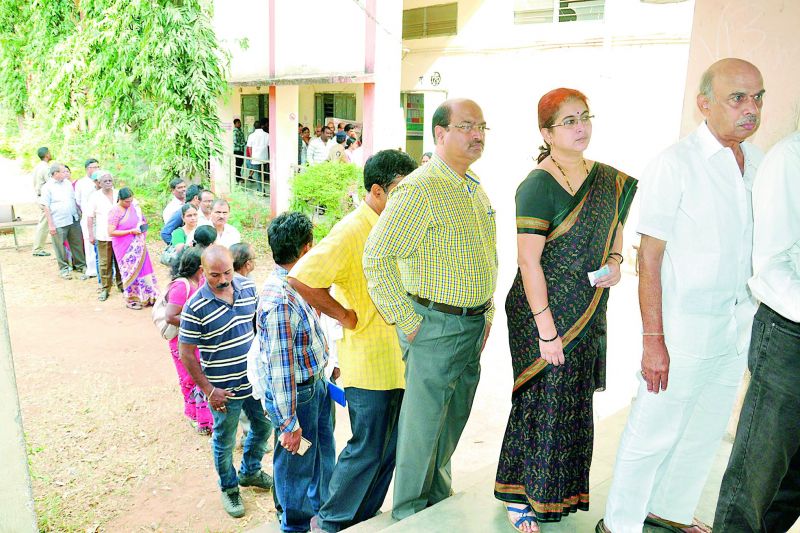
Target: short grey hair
55,167
707,84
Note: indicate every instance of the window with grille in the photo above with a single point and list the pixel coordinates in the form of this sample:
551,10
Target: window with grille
430,21
546,11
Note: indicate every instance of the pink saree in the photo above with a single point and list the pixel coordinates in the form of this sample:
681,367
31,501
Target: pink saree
138,279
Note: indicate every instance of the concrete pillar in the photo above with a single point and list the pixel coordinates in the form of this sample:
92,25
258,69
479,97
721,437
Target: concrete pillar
383,56
16,497
283,113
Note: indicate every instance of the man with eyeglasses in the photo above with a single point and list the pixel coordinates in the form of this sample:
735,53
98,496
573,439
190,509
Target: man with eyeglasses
431,269
696,227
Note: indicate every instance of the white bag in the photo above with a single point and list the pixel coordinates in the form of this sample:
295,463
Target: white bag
167,331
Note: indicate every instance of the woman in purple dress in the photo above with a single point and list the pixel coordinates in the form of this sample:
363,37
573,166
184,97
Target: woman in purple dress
128,229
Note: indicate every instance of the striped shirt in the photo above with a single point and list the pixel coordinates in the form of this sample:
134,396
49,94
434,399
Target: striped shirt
435,239
293,346
369,356
223,334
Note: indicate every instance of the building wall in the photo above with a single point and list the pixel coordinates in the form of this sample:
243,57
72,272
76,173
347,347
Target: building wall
312,37
764,33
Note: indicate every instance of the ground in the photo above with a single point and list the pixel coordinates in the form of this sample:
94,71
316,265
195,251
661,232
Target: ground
108,444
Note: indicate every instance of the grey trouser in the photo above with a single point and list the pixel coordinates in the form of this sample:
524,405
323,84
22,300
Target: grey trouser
73,235
40,238
442,372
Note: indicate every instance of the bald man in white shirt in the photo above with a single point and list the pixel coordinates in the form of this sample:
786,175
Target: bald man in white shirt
695,256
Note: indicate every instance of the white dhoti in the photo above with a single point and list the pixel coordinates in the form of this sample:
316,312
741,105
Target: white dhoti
670,441
88,248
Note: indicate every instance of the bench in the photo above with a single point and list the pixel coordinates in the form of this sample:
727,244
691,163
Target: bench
9,224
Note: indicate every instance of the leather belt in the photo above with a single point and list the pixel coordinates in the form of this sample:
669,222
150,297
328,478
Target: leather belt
451,309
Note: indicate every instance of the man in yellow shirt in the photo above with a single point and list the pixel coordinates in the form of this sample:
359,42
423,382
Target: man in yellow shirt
369,353
431,268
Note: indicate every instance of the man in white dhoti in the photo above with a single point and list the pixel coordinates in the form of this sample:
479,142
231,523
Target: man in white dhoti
696,229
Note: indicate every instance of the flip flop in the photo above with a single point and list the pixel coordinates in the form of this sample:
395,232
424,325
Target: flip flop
134,305
525,518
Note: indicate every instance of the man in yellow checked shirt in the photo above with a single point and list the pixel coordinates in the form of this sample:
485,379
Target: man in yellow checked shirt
369,354
431,268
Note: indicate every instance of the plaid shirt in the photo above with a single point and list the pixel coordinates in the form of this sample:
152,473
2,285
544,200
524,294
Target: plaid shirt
435,239
293,346
369,356
239,142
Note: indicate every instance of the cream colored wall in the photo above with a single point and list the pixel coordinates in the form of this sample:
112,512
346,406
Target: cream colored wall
764,33
242,27
313,37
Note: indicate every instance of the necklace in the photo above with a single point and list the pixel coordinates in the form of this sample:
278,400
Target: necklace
566,179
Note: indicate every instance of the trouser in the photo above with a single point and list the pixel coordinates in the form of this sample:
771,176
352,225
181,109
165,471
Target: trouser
42,231
224,439
670,440
72,234
364,470
761,488
88,250
301,481
239,162
108,271
442,372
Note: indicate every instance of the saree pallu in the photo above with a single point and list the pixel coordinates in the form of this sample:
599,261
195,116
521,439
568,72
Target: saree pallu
138,279
547,448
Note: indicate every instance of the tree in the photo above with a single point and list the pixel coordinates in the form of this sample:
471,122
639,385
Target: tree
153,68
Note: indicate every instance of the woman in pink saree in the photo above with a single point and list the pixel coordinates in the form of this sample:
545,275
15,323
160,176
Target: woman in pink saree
127,228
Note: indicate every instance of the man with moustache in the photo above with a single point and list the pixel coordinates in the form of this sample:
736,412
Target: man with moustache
218,319
100,204
431,269
696,227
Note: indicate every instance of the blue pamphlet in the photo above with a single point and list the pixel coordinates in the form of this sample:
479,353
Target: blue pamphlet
337,394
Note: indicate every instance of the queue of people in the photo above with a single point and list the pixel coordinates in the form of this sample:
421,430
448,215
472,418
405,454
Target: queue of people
410,276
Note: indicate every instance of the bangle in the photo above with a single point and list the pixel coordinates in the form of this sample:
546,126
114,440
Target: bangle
549,340
652,334
210,394
617,254
542,310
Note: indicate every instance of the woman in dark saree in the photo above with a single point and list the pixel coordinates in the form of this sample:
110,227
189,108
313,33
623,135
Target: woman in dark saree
570,213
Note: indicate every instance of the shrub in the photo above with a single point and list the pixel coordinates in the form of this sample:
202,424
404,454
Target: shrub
325,193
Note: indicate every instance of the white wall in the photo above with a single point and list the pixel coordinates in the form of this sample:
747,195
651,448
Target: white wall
242,27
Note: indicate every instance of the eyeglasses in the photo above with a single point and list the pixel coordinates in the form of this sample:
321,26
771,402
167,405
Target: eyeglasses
467,127
571,122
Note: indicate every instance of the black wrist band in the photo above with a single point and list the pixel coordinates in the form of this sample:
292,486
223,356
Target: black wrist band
548,340
621,259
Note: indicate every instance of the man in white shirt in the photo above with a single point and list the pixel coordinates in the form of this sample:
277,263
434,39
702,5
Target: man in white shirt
63,221
84,187
258,143
760,488
178,188
206,206
99,206
40,174
696,229
319,147
227,235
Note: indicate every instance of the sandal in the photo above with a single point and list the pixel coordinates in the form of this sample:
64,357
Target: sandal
134,305
526,516
103,296
675,527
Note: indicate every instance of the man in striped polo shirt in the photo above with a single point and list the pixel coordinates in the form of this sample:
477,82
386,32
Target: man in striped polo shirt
218,319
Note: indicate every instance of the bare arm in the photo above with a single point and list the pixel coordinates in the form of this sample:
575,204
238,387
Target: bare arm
321,299
90,227
173,315
114,232
614,262
50,224
655,357
529,255
217,398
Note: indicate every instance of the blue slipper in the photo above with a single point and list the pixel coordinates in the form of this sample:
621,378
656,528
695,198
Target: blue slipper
524,519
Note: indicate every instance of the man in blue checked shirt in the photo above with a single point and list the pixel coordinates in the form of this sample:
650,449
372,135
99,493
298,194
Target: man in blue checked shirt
218,320
290,370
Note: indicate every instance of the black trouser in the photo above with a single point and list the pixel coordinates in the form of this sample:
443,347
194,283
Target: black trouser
239,156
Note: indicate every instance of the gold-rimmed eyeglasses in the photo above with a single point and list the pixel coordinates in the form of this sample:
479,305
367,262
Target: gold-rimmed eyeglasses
467,127
570,122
